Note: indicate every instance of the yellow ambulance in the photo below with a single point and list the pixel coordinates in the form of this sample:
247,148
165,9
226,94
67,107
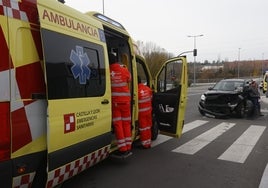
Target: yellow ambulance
55,91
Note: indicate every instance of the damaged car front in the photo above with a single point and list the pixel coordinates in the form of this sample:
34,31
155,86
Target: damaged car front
226,98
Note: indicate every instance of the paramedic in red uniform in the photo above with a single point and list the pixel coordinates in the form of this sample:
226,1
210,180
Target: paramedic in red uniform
145,114
121,115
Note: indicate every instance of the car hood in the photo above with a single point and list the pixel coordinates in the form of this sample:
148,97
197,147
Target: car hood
221,97
219,92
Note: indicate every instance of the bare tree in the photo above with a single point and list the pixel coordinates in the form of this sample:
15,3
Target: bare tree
154,55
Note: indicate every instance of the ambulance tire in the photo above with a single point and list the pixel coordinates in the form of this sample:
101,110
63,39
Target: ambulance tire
154,129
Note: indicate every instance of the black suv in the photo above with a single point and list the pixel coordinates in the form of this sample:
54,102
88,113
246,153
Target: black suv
226,98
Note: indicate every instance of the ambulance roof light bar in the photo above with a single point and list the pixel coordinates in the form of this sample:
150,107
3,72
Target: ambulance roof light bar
109,20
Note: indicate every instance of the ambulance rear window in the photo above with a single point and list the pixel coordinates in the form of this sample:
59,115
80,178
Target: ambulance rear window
74,68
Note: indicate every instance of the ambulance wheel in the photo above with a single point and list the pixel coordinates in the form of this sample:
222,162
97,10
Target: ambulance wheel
154,129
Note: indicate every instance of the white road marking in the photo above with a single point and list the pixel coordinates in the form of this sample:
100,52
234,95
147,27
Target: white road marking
237,152
187,127
204,139
160,139
264,179
194,124
241,148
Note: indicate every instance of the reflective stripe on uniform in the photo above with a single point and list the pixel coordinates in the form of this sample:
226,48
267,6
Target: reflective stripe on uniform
120,94
119,84
144,129
145,100
146,142
117,119
145,109
126,118
121,143
128,140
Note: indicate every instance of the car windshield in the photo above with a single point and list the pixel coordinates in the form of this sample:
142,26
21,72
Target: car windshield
228,85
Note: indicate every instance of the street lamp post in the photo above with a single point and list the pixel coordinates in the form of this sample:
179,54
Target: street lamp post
103,7
195,50
262,64
238,62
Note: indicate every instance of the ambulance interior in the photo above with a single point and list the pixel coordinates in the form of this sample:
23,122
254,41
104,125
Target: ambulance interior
118,45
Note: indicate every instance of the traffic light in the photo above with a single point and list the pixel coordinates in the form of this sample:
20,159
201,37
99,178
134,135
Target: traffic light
195,52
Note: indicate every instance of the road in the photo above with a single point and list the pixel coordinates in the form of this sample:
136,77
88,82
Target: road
212,153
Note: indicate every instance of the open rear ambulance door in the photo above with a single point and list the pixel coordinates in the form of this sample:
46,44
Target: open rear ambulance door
169,101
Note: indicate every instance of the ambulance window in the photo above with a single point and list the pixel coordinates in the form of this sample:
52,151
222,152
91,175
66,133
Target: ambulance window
142,73
170,76
74,68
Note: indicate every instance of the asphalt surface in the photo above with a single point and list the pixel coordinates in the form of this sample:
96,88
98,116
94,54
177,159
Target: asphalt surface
201,158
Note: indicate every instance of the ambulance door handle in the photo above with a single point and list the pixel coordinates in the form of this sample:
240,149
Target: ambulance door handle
105,101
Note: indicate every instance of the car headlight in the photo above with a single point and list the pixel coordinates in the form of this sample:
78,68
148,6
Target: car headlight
203,97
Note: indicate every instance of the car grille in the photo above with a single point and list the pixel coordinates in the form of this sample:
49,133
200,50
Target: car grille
220,99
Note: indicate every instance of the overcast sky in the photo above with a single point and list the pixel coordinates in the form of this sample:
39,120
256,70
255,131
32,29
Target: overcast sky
227,25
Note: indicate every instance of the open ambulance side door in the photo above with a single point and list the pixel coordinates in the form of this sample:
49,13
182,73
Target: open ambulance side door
169,100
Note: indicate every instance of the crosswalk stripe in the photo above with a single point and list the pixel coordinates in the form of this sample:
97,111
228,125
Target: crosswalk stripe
264,179
241,148
160,139
237,152
187,127
204,139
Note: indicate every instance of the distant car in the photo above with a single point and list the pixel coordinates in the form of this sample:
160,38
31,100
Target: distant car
226,98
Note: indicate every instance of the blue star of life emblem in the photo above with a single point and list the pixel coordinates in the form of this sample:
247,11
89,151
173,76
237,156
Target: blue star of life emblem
80,67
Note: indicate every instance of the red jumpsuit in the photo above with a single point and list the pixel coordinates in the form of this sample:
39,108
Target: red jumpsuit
145,114
121,115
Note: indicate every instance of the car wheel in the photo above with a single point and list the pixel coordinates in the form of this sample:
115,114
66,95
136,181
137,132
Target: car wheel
240,111
154,129
249,108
